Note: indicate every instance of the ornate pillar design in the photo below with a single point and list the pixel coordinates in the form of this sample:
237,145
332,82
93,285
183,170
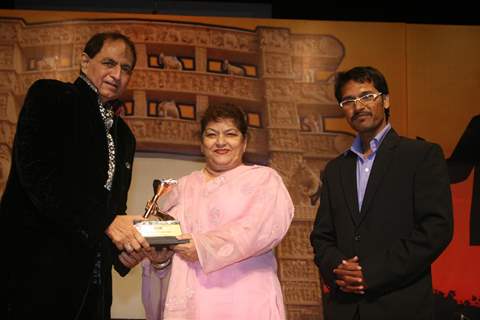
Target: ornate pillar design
201,59
298,275
142,55
140,99
201,105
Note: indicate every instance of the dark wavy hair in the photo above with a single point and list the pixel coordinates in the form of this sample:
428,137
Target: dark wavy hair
362,75
95,44
222,112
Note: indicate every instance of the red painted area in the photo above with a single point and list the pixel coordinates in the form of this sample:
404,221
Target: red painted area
457,269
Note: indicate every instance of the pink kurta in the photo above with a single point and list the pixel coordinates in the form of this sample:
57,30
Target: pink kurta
236,220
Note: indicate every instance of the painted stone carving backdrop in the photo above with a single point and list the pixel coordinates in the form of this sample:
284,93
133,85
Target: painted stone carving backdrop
281,79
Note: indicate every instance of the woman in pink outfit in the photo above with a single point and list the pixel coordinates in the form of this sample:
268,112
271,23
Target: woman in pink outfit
233,215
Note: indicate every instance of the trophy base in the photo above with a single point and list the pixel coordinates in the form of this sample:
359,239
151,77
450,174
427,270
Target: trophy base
160,233
164,241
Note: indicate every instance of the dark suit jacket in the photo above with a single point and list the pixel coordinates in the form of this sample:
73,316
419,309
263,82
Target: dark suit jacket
464,158
55,209
403,226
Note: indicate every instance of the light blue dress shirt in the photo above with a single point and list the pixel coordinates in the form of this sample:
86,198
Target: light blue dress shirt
364,165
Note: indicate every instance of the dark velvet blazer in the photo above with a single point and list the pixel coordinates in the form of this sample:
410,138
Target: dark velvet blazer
403,226
54,208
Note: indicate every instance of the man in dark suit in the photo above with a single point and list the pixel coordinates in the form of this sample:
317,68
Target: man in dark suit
65,200
385,212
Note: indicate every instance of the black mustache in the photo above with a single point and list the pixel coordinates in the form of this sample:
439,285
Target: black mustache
358,114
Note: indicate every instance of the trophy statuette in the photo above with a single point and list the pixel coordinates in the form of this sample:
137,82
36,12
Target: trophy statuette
160,229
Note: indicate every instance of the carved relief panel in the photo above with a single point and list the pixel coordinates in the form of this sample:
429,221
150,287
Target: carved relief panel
282,115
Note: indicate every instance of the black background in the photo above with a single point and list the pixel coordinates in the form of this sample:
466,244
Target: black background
459,12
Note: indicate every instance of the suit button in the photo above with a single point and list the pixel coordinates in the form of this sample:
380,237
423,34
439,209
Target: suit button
357,237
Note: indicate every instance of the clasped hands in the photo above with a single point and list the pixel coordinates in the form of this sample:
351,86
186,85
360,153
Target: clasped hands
350,277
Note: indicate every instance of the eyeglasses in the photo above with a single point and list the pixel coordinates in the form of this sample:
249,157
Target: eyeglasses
365,100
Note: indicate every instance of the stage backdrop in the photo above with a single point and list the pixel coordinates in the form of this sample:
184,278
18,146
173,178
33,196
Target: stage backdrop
280,72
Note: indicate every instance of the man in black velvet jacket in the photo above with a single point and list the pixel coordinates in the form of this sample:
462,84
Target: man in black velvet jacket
385,212
63,208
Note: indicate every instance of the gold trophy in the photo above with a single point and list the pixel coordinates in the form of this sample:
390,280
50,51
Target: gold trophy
160,229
